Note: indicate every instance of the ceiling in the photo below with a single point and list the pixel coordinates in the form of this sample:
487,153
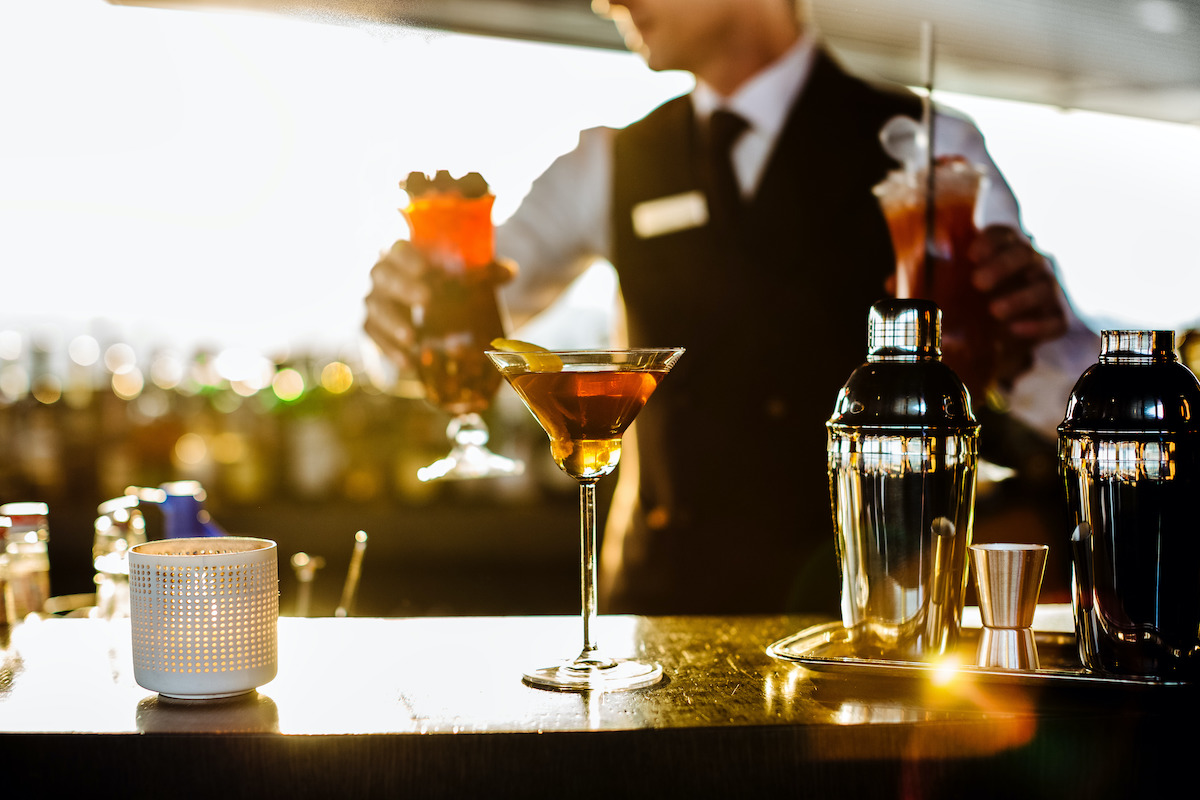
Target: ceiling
1133,57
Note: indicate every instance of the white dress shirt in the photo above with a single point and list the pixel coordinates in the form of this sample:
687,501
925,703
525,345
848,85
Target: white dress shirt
563,225
764,102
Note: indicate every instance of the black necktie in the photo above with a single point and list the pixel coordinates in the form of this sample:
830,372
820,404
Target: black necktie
725,196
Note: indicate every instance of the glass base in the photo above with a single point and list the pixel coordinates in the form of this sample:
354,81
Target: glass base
614,676
465,463
469,458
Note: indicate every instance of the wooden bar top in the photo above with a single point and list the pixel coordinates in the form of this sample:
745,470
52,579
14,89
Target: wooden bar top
436,707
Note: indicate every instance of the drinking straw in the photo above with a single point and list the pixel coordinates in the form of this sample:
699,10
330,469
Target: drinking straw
930,161
350,588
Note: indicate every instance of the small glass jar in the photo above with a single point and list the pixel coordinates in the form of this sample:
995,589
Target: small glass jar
26,550
119,526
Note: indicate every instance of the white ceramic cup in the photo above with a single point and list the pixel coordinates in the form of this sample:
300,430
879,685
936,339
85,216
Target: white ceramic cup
204,614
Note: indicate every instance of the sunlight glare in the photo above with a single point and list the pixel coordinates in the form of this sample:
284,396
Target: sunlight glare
945,671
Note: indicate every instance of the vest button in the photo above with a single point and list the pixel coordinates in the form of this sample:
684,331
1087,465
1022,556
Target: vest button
658,518
775,407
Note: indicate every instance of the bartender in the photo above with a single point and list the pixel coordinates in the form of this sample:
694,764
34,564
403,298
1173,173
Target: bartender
762,260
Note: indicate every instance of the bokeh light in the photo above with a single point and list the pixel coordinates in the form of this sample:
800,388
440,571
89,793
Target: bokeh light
47,389
119,358
190,450
14,382
10,345
128,384
245,366
166,370
84,350
288,384
337,377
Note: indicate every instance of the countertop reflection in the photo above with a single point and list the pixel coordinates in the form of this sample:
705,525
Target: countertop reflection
415,675
462,674
383,705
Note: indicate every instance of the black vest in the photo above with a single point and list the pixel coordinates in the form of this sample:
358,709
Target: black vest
733,511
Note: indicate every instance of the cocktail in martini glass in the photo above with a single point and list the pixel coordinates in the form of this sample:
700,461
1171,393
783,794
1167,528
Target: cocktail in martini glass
584,400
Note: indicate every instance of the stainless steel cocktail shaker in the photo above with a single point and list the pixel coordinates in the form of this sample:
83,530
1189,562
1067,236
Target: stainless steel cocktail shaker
902,446
1130,455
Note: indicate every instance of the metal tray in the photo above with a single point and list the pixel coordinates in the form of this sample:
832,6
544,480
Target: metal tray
825,648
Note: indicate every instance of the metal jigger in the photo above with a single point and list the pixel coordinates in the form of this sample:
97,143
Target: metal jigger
1008,578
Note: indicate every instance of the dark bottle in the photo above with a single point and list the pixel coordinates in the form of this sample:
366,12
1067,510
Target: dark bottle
1130,456
902,448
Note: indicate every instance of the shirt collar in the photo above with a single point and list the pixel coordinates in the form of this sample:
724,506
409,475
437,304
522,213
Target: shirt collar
764,100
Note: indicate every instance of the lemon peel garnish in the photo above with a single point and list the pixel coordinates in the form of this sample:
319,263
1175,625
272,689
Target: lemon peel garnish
537,357
517,346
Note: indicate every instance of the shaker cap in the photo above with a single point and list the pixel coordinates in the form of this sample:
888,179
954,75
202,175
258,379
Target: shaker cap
904,385
1137,346
1138,385
906,329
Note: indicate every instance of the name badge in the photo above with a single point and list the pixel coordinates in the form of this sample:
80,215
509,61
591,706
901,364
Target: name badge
677,212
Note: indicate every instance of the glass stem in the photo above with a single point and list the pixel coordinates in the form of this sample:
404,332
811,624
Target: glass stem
587,566
468,429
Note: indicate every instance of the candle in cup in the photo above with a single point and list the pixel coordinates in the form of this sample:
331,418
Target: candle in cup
204,614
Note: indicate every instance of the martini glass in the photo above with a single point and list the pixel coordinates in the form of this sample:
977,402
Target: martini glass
584,400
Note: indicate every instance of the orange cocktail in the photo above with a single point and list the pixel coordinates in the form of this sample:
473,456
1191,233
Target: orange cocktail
942,273
450,222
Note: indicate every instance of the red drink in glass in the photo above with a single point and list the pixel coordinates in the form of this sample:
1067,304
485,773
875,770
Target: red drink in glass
969,332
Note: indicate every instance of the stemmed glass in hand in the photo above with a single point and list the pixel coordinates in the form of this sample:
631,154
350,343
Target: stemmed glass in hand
584,400
450,222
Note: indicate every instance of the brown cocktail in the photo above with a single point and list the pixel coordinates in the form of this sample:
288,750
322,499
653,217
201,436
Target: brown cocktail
585,413
585,400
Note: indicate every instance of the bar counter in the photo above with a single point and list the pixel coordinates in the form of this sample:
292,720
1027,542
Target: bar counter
435,707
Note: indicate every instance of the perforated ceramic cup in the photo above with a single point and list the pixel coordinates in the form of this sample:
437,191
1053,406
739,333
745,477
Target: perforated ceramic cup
204,614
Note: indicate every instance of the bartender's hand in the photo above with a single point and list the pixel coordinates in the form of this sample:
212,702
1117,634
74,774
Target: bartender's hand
398,284
1023,295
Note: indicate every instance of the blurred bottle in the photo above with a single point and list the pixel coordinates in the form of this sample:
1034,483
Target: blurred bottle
902,445
182,504
26,541
5,522
41,434
119,526
1130,452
